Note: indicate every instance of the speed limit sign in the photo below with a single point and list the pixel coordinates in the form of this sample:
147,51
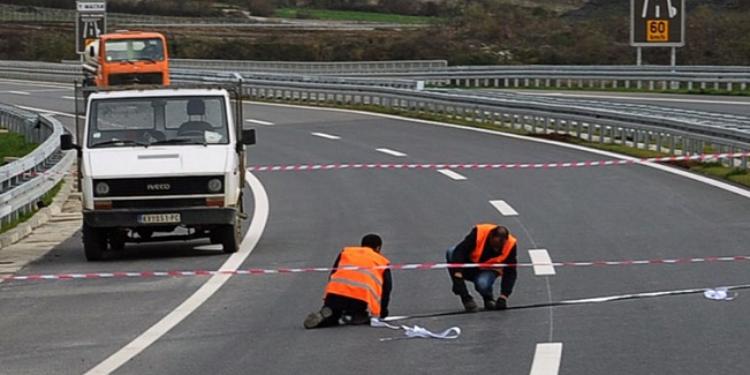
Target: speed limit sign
657,31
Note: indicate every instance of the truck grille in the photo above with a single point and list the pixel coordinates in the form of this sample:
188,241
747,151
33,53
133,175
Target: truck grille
160,203
136,78
133,187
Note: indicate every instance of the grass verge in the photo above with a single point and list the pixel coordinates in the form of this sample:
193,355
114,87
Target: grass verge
347,15
46,201
14,145
716,170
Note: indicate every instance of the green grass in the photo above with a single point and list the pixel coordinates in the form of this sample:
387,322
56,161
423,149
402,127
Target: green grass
347,15
12,144
46,201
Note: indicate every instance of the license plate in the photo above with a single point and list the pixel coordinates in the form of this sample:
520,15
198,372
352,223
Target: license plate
159,219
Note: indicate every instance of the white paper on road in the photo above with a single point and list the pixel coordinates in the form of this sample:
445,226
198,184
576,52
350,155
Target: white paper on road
417,331
720,294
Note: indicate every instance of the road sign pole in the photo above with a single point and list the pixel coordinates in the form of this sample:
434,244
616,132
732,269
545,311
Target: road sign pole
674,57
639,56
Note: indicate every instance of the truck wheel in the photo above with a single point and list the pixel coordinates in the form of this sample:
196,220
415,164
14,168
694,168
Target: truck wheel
230,236
117,240
94,243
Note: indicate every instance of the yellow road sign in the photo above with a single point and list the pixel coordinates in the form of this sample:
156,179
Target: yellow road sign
657,30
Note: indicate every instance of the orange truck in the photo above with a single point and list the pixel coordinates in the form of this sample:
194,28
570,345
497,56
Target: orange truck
127,58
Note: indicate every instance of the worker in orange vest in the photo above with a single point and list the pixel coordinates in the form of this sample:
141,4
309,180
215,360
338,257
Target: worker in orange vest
491,244
351,293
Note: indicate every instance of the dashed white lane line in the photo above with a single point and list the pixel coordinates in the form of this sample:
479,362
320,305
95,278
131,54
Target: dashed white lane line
260,122
452,175
25,93
541,262
69,97
546,359
147,338
391,152
326,136
504,208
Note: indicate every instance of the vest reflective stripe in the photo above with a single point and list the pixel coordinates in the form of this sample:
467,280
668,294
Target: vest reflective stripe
483,232
364,284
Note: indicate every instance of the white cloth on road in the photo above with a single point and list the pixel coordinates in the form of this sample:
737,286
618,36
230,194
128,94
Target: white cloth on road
720,294
417,331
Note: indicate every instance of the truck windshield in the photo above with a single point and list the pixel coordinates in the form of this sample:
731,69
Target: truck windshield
140,122
134,50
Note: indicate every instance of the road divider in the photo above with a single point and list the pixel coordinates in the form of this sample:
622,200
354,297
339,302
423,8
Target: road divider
404,267
481,166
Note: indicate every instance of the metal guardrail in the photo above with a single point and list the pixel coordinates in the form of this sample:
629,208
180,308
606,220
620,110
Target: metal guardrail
333,67
23,182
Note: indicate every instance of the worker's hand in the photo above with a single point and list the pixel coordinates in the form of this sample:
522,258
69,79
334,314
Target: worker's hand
458,275
501,303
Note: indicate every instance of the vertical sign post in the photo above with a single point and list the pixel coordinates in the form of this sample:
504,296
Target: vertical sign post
91,21
657,23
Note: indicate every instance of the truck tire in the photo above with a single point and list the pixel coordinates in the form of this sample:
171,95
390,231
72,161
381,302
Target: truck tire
117,240
230,237
94,243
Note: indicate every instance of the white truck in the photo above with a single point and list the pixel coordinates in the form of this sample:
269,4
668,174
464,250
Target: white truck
161,164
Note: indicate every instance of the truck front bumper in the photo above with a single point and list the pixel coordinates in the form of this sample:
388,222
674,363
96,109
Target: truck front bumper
129,218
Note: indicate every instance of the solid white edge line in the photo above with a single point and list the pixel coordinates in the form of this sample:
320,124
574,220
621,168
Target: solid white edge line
453,175
504,208
706,180
542,263
391,152
147,338
36,83
326,136
260,122
42,110
546,359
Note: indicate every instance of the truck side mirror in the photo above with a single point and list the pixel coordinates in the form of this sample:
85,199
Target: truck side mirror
66,142
248,136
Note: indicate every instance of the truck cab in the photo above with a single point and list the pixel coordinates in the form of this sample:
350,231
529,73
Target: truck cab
128,58
159,165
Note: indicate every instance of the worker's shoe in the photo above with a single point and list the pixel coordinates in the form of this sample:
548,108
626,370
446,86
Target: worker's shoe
469,304
489,304
315,319
501,303
355,319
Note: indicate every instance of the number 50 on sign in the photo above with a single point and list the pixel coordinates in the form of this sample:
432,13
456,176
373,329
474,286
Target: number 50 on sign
657,30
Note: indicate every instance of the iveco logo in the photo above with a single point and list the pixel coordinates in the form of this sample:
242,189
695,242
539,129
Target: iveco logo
158,187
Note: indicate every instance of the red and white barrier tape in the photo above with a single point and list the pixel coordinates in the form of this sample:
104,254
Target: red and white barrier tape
412,266
579,164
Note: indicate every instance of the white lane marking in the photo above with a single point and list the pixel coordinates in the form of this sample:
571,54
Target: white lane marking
25,93
69,97
638,98
451,174
260,122
504,208
391,152
47,111
546,359
542,262
208,247
147,338
708,181
326,136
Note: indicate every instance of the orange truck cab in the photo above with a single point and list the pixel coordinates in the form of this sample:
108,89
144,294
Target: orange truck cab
130,57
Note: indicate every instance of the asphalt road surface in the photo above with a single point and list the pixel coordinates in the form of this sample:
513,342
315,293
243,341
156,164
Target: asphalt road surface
253,324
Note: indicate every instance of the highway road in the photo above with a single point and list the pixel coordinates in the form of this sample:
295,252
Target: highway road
253,324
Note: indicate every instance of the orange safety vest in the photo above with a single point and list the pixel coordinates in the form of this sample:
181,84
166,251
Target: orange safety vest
483,232
362,284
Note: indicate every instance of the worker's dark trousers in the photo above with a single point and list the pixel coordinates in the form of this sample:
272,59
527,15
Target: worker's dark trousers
341,306
483,280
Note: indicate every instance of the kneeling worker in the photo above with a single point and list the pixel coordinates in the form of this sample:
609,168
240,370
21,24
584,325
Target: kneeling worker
486,243
350,293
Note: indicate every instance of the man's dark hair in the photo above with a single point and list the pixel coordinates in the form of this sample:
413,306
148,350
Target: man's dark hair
372,241
501,231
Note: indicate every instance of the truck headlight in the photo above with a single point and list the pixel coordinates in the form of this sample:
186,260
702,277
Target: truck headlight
102,188
215,185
